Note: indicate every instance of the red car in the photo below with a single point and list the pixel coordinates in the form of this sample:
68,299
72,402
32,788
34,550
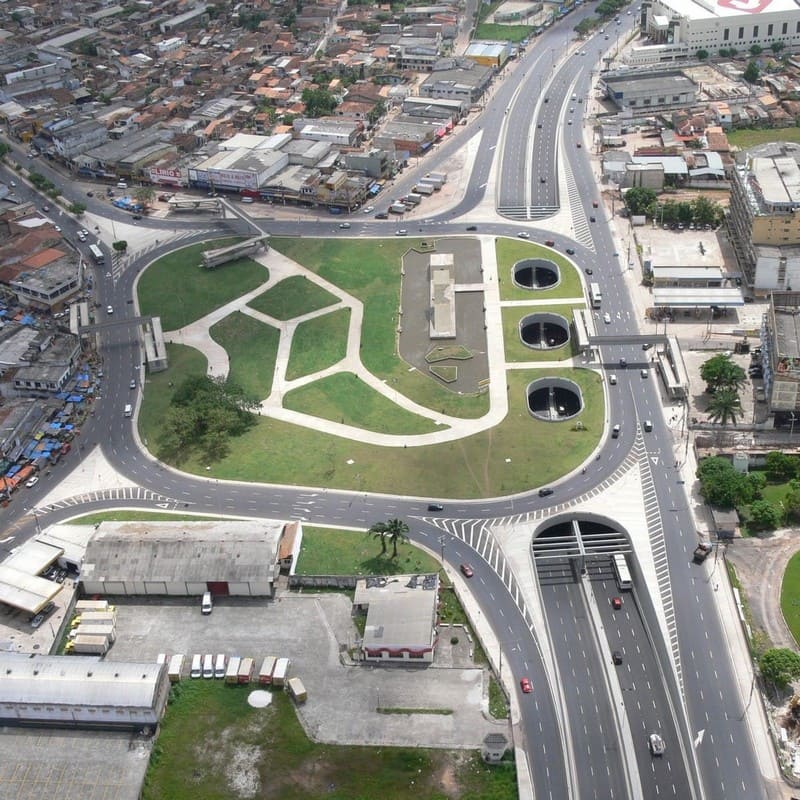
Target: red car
549,242
616,603
526,685
466,570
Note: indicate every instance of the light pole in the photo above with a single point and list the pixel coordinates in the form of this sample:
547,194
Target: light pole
441,545
791,430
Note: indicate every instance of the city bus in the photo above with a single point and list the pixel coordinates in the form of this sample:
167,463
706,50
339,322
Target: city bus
595,295
97,254
621,572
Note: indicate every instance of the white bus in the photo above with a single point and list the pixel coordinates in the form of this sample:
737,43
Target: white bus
595,295
621,572
97,254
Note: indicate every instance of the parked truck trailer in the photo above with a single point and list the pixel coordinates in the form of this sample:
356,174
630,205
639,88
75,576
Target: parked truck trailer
424,188
297,690
89,645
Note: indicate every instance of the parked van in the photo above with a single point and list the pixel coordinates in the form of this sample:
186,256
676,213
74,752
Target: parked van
297,690
197,666
175,671
208,666
219,666
281,672
232,672
128,410
246,668
207,605
247,199
265,673
122,185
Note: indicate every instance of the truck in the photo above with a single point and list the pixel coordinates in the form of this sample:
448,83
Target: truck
414,199
267,668
88,645
424,188
94,630
281,672
175,670
91,617
398,208
701,552
296,689
232,672
438,179
246,667
92,605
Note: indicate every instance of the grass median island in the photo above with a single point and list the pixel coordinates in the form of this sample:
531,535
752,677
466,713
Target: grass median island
509,251
180,291
318,343
263,753
141,516
516,351
370,271
330,551
293,297
252,348
345,398
519,453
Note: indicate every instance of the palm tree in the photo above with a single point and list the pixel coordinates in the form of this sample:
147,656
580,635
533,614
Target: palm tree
396,530
379,531
724,406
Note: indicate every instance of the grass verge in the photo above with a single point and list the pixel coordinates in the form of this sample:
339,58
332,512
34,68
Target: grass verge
750,138
790,596
252,348
293,297
328,551
516,351
140,516
318,343
345,398
178,290
509,251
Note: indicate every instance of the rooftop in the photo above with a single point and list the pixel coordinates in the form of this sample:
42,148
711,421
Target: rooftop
699,10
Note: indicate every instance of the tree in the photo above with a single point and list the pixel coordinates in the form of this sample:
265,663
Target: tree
751,72
706,211
396,530
776,47
756,50
318,102
144,195
721,485
781,466
639,200
378,531
76,208
791,501
701,54
764,515
120,246
724,406
720,372
779,666
4,149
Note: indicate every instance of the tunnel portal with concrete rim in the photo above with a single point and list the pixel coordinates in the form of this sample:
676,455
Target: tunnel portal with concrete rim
544,330
536,273
554,399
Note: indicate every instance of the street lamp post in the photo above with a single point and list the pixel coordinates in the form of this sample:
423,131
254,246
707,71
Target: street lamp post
441,545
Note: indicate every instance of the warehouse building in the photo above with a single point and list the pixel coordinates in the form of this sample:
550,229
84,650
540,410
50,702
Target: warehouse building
401,617
649,91
81,692
183,558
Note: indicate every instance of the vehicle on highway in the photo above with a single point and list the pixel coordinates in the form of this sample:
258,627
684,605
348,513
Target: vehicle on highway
612,379
381,215
589,271
623,363
466,570
549,243
369,209
526,685
81,237
133,384
616,658
206,605
615,432
45,208
656,744
648,425
472,227
592,219
542,179
607,318
616,603
570,251
647,345
546,492
643,373
595,204
435,507
137,216
579,146
344,225
13,184
109,309
523,235
401,232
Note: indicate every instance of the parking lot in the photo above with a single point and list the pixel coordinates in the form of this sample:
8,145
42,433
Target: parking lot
315,632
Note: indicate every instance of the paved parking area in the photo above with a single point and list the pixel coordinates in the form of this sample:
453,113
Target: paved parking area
314,631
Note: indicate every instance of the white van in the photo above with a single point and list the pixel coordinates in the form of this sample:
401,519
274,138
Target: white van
207,605
219,666
208,666
247,199
197,666
128,410
122,185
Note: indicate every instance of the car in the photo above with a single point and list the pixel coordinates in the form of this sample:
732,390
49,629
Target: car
526,685
595,204
607,318
344,225
466,570
616,603
472,227
606,37
523,235
569,122
39,618
81,237
592,219
58,228
137,216
547,99
538,124
572,111
656,744
549,243
616,658
31,482
570,251
381,215
644,373
615,432
90,193
13,184
369,209
589,271
206,604
45,208
579,146
647,345
542,179
616,255
435,507
648,425
623,363
84,231
109,309
612,379
546,492
133,384
401,232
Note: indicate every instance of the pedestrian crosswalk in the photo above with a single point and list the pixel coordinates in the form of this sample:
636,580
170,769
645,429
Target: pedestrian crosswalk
581,231
527,213
119,493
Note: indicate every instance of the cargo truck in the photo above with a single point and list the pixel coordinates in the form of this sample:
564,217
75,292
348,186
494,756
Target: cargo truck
425,188
92,605
281,672
91,617
89,645
94,630
412,199
175,670
297,690
267,668
246,667
232,671
701,552
438,179
398,208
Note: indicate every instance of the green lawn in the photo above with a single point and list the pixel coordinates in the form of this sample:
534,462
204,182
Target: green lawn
495,32
293,297
516,351
750,138
211,741
345,398
178,290
370,271
326,551
790,596
476,466
139,516
252,348
509,251
318,343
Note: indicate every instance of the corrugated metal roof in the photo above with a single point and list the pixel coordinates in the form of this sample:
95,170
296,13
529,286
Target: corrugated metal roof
25,591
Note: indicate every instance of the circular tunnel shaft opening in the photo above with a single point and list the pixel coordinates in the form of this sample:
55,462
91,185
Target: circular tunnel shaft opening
536,273
544,331
554,399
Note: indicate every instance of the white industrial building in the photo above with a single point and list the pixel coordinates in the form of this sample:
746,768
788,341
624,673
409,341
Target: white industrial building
677,29
242,168
183,558
81,692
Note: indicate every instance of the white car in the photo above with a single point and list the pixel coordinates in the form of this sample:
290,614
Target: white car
607,318
31,482
523,235
612,379
369,209
656,744
344,225
109,309
401,232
